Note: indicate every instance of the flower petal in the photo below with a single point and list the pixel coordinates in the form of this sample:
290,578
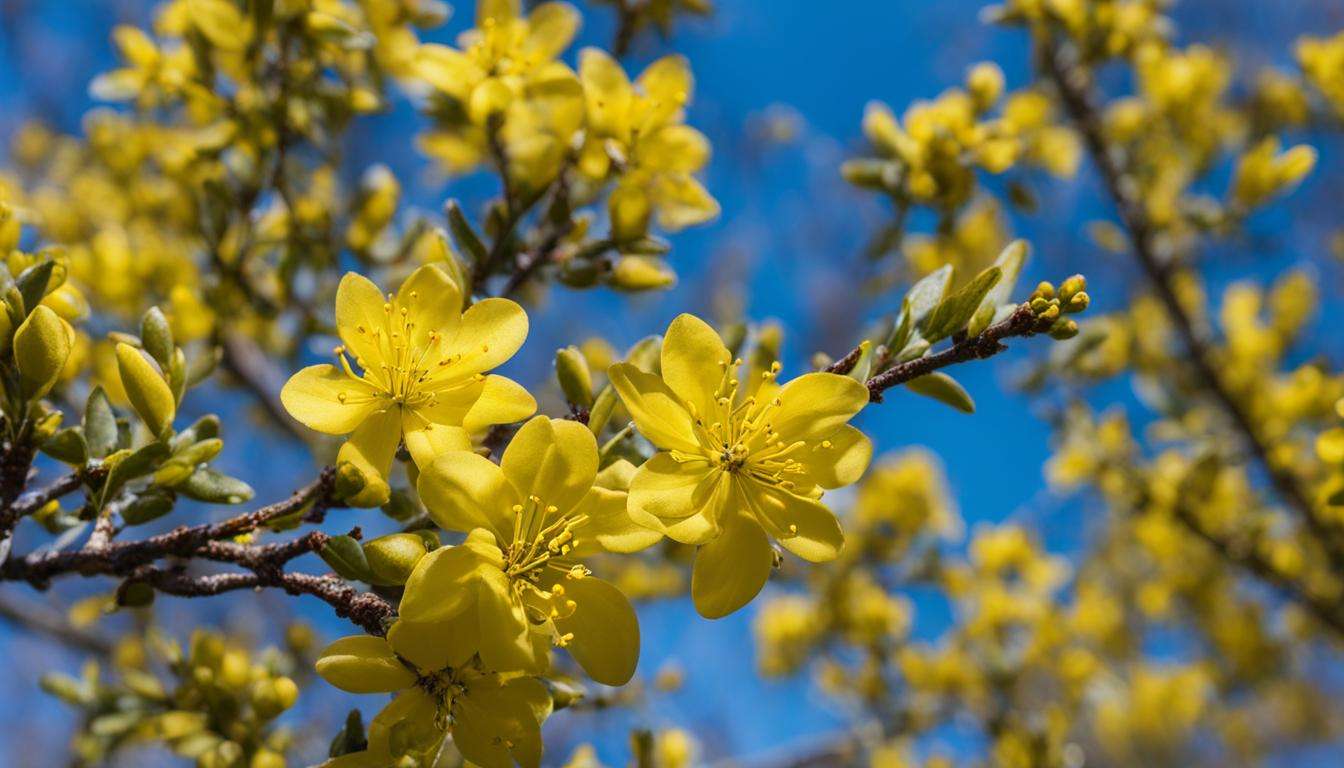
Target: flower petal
668,84
465,491
731,570
491,331
426,441
495,722
371,448
815,405
678,148
606,631
433,302
361,319
507,645
501,401
843,461
364,664
608,90
431,646
439,587
670,490
805,527
681,201
551,28
447,69
694,359
658,413
609,526
553,459
313,396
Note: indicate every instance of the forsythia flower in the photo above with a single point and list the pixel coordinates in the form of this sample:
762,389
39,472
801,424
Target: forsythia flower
638,129
424,382
738,462
516,585
495,719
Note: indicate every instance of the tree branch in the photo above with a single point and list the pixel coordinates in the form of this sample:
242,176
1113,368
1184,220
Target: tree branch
1074,85
121,558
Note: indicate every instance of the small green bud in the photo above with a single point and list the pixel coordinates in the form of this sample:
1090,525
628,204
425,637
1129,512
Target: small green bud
1078,302
1044,290
1064,328
391,558
1071,286
157,337
571,370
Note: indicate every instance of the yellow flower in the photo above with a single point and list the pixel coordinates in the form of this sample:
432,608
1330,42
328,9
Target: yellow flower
517,584
495,719
638,129
423,382
738,462
506,67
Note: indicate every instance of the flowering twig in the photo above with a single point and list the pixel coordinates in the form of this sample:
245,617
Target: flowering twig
989,342
1073,86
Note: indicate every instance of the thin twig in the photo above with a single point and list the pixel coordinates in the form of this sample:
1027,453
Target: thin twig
1022,322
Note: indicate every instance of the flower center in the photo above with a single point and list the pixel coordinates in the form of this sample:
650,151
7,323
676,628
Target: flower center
410,369
738,436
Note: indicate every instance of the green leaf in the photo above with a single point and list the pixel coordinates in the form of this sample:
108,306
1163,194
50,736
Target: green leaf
209,485
1010,263
955,311
466,237
926,294
150,505
67,446
127,465
944,389
33,283
100,424
346,558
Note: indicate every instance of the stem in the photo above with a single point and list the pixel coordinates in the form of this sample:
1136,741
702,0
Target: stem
1022,322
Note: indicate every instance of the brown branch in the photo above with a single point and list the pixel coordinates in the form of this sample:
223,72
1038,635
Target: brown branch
1022,322
1073,84
120,558
365,609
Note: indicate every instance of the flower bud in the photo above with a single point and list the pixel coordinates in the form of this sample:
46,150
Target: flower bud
1071,286
41,347
146,389
1063,328
358,484
642,273
571,370
393,557
985,82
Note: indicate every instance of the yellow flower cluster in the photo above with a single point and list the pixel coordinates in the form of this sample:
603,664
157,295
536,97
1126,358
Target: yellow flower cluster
740,463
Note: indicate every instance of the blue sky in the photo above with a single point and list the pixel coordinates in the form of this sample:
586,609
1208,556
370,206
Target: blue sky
787,244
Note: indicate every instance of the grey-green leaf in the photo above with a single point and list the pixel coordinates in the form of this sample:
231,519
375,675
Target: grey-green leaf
944,389
100,424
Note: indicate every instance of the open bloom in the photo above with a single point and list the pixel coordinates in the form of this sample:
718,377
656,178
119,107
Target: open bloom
506,68
495,719
739,462
638,129
423,380
517,585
